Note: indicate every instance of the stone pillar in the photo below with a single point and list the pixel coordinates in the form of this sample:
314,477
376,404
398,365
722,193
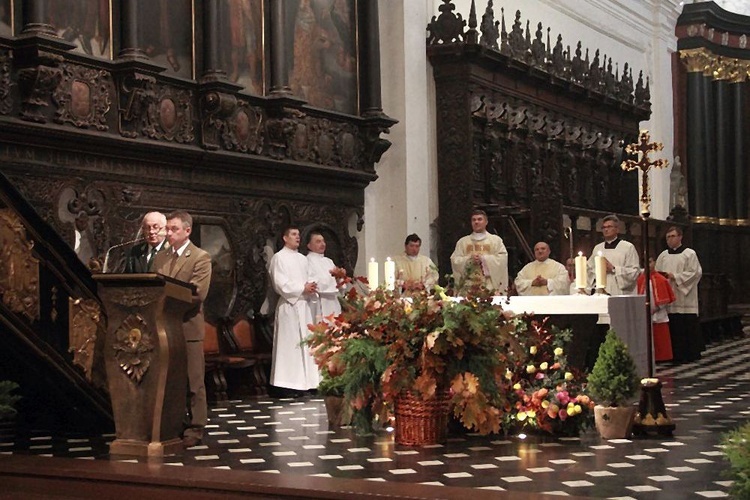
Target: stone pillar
35,18
723,137
279,50
129,44
211,30
711,187
695,61
369,59
739,123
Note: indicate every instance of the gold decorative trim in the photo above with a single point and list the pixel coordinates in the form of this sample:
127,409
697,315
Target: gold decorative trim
19,269
701,219
83,324
727,222
695,60
742,222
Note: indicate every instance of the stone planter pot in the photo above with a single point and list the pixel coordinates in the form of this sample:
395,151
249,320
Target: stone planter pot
614,422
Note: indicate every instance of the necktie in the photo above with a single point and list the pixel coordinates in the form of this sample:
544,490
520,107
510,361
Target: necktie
172,264
150,260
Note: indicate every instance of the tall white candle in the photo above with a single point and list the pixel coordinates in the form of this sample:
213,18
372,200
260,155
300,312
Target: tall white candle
600,268
581,271
389,269
372,274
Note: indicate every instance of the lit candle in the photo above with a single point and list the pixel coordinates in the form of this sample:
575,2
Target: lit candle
372,274
600,267
581,271
389,269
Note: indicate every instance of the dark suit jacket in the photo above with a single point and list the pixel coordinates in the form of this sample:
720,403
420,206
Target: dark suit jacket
193,266
135,258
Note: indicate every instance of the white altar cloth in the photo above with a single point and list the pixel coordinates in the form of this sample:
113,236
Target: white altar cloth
626,314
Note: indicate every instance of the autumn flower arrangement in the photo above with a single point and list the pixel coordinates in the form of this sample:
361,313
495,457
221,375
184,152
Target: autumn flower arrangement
546,395
385,343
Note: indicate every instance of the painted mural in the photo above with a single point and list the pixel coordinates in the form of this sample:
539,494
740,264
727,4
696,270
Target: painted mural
84,23
242,57
166,34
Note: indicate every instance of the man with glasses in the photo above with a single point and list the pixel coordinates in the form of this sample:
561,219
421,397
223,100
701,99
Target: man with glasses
680,264
621,258
140,258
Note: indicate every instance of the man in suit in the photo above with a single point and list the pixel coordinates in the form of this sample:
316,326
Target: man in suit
140,258
186,262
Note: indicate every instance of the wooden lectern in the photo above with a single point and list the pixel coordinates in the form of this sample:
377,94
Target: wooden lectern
145,360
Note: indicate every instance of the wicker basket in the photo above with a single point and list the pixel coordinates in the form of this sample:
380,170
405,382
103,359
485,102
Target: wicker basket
420,422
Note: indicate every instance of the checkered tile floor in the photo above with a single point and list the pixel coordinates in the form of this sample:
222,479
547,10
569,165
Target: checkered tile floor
704,399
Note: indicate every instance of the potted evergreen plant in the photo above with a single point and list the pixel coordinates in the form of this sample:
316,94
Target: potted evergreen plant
7,407
613,383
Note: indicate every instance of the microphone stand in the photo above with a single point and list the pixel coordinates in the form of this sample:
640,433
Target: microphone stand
124,244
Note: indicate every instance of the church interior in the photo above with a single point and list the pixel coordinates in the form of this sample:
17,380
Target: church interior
363,121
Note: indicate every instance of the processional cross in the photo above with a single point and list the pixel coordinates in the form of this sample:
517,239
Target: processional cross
652,413
642,148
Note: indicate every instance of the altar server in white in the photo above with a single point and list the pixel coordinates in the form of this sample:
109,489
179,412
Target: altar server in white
680,264
623,266
544,276
292,367
481,256
413,268
326,301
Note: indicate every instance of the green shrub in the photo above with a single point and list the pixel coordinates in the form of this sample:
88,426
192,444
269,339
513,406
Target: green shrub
8,400
614,380
736,445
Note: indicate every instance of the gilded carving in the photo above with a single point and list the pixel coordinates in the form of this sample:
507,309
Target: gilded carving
134,347
6,84
83,97
136,93
85,317
695,60
19,269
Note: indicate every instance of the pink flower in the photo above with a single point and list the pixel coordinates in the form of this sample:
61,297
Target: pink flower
563,397
563,414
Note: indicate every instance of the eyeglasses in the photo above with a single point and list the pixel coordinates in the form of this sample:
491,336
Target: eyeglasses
609,227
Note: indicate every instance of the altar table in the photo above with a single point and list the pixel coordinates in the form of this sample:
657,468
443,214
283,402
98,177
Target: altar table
626,314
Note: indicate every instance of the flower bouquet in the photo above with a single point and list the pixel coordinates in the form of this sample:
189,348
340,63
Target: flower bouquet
545,394
386,344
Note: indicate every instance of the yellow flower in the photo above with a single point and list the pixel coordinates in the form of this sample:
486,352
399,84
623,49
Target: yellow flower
516,386
508,374
407,307
532,350
530,369
531,414
558,351
578,408
568,376
521,415
543,366
545,404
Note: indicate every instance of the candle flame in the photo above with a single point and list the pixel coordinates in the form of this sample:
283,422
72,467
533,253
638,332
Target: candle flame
580,254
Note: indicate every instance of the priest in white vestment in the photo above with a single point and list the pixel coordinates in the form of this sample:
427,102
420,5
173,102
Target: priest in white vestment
680,264
544,276
414,269
482,253
292,366
326,301
623,264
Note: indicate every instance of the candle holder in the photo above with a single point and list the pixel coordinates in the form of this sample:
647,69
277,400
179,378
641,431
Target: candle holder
601,291
582,291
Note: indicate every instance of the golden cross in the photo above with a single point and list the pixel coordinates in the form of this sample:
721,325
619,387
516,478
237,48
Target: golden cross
642,148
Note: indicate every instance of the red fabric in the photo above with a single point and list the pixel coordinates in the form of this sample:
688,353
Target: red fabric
660,288
662,342
663,294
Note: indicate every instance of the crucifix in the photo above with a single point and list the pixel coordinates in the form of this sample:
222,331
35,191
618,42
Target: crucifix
652,413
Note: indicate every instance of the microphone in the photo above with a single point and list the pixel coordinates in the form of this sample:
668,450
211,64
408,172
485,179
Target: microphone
124,244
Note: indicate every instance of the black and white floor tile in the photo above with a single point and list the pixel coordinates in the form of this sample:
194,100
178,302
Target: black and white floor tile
285,436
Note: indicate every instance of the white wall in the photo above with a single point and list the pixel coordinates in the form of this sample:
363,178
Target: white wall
404,198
